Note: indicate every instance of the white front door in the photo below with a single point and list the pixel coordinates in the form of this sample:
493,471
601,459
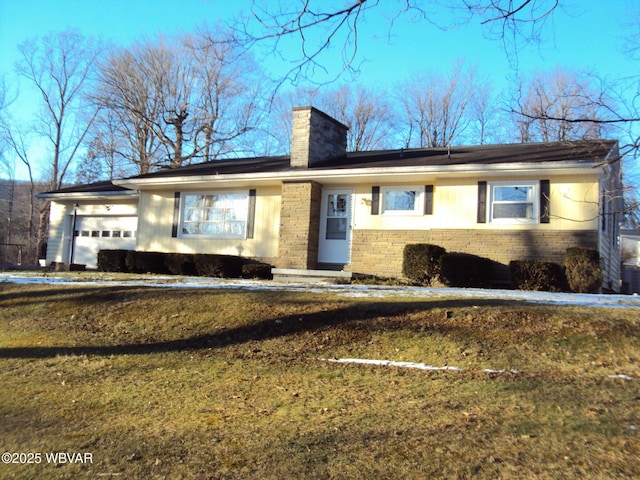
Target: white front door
334,245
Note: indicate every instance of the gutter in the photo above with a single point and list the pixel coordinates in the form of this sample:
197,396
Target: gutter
337,174
125,194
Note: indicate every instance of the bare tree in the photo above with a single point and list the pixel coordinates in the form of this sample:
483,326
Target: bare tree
6,166
146,87
317,27
230,90
547,104
368,115
434,107
179,99
17,142
129,109
280,120
59,66
486,118
110,151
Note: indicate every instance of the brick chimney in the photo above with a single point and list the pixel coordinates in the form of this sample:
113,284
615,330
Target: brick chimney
316,137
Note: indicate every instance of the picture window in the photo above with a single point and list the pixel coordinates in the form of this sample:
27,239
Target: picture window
215,215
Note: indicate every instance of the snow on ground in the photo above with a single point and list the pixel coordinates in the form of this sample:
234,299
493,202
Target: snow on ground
424,366
363,291
418,366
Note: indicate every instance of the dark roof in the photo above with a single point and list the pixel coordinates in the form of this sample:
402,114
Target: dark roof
226,167
588,151
97,187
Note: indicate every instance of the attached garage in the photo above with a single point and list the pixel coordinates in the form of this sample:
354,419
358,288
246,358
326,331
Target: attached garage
95,233
85,219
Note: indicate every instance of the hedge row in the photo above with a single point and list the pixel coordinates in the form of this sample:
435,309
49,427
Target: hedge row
537,275
190,264
425,263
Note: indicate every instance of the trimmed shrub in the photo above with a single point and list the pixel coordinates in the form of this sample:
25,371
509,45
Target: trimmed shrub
537,275
113,261
257,270
219,266
465,270
146,262
582,268
205,265
421,262
180,264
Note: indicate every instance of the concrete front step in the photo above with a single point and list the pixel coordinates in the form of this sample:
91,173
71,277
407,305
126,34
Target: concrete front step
295,275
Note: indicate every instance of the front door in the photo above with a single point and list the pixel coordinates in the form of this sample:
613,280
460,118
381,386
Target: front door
334,246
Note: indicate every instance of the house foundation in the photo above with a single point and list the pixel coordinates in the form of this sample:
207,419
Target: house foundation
379,252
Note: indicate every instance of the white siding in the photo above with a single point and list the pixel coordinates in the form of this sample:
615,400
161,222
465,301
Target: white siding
61,221
156,224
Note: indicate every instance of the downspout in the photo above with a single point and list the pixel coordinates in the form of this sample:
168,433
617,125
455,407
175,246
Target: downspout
73,232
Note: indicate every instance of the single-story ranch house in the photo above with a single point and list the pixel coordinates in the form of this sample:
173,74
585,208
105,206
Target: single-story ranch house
322,207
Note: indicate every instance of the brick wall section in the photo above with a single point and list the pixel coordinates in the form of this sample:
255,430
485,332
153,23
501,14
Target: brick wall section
299,225
315,137
379,252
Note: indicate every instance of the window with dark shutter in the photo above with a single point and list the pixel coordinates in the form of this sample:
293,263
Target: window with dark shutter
375,200
176,214
428,200
251,213
482,202
545,193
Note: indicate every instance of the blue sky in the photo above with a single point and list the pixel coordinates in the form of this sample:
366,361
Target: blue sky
583,34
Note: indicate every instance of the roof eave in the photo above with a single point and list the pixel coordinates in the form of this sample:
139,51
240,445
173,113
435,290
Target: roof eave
119,195
341,174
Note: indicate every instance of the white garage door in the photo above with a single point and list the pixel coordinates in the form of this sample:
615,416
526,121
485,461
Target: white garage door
93,234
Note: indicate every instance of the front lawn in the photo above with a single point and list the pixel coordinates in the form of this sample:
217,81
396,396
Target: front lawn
214,383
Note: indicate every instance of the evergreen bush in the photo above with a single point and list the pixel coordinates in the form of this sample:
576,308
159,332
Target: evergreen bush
219,266
181,264
112,261
257,270
465,270
205,265
146,262
421,262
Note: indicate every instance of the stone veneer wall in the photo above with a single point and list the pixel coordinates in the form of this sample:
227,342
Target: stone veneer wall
315,137
379,252
299,225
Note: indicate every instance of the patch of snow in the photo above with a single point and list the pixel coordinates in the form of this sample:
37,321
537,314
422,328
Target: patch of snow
423,366
354,291
418,366
389,363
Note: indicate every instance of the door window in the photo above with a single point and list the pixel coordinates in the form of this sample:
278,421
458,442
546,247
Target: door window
337,206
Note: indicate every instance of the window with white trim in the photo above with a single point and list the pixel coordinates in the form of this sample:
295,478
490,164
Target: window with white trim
514,202
215,215
403,200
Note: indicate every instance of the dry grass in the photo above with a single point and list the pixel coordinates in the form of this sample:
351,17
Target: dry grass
201,384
